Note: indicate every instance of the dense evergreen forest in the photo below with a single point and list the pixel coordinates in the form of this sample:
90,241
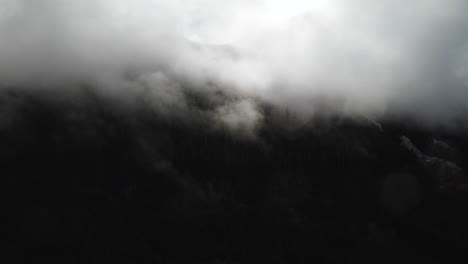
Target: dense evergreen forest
92,181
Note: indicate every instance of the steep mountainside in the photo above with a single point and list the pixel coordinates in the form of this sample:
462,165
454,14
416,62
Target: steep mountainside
91,181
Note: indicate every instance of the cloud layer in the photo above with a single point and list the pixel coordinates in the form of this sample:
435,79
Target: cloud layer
365,57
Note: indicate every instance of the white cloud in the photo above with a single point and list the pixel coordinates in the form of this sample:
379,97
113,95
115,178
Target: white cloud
375,55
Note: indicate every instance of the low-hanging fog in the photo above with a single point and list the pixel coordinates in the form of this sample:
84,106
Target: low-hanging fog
239,131
364,57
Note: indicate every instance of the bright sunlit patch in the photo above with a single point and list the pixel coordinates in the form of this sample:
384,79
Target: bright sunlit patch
231,23
281,11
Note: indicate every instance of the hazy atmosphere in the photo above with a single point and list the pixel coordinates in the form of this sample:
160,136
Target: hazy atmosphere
365,57
234,132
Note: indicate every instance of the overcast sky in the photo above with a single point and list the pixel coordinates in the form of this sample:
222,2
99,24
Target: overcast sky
371,56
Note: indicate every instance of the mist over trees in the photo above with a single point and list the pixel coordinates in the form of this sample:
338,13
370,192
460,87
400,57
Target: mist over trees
90,180
259,131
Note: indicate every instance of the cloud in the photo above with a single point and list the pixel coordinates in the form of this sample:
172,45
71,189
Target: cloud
365,57
241,117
